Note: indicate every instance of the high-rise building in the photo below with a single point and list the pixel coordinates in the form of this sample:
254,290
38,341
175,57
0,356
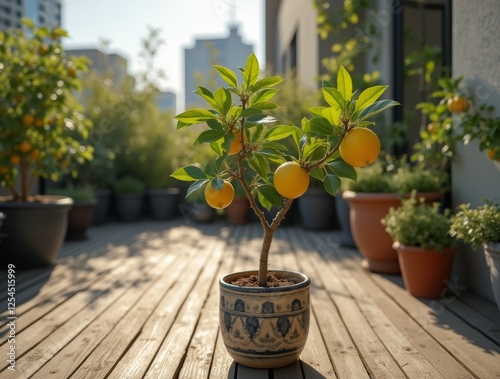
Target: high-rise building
230,52
42,12
166,101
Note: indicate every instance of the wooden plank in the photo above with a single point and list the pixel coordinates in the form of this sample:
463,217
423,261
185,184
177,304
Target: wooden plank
477,353
481,305
201,348
131,327
63,364
251,373
222,364
326,273
293,371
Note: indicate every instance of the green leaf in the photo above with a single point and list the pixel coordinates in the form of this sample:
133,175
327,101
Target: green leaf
223,100
332,184
270,81
270,195
265,105
313,150
316,111
209,171
369,96
206,95
216,183
317,173
344,83
195,116
333,97
261,119
196,186
210,135
251,72
332,115
320,126
251,112
259,164
376,108
264,95
343,170
264,202
188,174
216,146
279,132
227,75
214,124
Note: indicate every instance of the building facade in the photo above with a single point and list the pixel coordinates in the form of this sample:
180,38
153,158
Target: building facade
42,12
198,61
466,33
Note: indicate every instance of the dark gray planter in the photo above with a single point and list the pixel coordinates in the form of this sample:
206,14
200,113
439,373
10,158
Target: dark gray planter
79,219
101,210
317,210
163,202
33,233
128,206
343,210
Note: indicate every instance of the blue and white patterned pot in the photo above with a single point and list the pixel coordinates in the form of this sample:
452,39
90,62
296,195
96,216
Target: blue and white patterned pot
264,327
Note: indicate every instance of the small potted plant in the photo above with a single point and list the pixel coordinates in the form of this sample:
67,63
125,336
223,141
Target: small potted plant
129,198
421,235
43,134
480,226
265,316
377,189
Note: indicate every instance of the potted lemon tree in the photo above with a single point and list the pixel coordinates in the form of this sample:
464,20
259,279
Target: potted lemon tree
42,135
480,226
265,316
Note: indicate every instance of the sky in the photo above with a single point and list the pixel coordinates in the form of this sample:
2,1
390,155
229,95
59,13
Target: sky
124,23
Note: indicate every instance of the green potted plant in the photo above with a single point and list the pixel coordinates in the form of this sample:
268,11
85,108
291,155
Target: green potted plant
421,236
265,316
480,226
43,134
377,189
81,213
129,197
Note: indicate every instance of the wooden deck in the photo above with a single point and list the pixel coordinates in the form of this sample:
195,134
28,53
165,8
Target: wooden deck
141,301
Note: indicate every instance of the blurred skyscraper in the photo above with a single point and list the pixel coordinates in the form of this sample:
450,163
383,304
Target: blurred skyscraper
42,12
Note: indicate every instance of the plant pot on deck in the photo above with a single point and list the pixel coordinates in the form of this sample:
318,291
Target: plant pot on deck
317,210
237,212
101,210
492,254
33,232
264,327
80,218
367,209
163,202
425,271
342,210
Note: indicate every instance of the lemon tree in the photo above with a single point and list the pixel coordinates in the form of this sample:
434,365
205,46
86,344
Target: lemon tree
270,173
42,129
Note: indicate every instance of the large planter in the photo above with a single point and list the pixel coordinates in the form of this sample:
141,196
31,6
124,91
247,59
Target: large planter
101,209
237,211
492,254
342,210
264,327
80,218
425,271
366,212
163,202
317,210
33,233
128,206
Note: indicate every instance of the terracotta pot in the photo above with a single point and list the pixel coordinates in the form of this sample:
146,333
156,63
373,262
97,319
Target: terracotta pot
237,211
366,211
492,254
264,327
79,219
425,271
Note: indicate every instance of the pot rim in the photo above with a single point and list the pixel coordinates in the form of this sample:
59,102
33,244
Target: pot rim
305,282
51,201
417,249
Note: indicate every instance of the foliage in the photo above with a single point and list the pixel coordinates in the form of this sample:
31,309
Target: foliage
417,177
374,178
82,193
315,147
128,184
477,225
416,224
43,131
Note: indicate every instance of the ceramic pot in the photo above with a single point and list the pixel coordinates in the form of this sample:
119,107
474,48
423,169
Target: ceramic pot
366,212
79,219
163,202
264,327
425,271
492,254
33,232
129,206
101,210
